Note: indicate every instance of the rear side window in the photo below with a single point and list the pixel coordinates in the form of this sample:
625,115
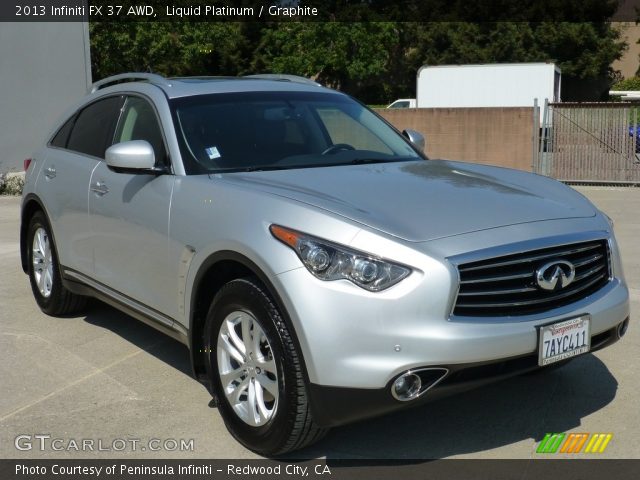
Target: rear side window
60,139
93,129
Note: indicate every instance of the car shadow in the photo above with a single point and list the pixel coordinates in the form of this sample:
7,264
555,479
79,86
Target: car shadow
161,346
519,409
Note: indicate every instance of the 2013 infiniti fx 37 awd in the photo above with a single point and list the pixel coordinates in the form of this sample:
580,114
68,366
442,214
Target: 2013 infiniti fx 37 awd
319,267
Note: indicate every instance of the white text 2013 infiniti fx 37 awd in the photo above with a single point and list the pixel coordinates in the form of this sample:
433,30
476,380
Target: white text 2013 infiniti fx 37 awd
319,267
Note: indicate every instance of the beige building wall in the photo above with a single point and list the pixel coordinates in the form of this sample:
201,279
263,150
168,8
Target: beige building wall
493,136
630,61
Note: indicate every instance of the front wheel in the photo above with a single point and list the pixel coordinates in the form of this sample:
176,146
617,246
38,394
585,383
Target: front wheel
256,371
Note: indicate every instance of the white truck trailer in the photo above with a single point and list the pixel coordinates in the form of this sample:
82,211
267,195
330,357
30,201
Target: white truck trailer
488,85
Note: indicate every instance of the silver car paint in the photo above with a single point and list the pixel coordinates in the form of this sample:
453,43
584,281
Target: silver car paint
66,198
420,201
420,214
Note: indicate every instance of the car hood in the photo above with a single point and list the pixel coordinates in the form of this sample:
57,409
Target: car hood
424,200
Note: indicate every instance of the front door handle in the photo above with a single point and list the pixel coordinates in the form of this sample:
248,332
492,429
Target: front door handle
100,188
50,172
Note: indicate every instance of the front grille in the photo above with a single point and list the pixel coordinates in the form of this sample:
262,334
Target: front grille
507,285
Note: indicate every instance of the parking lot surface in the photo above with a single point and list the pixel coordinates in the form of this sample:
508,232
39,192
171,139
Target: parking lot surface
109,379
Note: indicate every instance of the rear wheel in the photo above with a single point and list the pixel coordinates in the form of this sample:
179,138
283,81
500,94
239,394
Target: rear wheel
256,371
44,271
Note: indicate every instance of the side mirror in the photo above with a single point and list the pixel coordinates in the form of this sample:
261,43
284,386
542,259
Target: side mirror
415,137
135,156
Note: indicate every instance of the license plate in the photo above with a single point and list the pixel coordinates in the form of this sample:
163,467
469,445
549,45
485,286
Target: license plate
564,340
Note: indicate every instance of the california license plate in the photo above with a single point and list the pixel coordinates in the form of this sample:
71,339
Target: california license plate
564,340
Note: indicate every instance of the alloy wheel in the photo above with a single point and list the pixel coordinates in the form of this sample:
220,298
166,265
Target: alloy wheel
247,369
42,262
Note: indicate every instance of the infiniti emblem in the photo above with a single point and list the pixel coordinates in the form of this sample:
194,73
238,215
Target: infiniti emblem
555,275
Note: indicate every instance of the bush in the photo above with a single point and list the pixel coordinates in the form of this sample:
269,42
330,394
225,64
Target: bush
632,83
11,184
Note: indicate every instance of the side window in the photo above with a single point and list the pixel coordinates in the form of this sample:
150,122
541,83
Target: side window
139,122
60,138
93,128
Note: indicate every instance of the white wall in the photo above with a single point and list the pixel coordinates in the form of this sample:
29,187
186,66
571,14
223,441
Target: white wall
44,68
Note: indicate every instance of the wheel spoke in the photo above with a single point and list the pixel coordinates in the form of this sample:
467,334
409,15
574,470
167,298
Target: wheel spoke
263,411
255,344
38,258
233,336
229,377
41,281
251,403
247,324
268,365
48,280
41,241
237,393
45,242
269,385
232,350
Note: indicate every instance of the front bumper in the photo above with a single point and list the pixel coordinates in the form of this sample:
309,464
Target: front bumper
355,339
356,343
334,406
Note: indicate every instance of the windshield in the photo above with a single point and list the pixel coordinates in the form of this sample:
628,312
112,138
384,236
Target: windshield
281,130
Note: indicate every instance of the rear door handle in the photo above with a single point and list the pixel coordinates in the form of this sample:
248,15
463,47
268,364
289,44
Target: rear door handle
50,172
100,188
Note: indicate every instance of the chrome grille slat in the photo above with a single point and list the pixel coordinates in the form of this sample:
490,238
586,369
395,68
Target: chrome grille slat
507,285
531,259
498,279
589,260
588,273
506,291
533,302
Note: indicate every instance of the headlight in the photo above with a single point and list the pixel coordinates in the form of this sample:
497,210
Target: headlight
328,261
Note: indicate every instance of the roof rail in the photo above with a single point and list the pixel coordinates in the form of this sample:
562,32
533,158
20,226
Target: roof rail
284,77
130,77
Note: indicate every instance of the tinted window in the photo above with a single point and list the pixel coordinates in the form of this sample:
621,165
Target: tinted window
60,139
93,129
139,122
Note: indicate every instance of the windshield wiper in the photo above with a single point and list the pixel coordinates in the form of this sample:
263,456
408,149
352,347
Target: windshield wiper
363,161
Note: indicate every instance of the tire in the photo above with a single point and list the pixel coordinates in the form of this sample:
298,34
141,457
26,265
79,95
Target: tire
44,271
264,400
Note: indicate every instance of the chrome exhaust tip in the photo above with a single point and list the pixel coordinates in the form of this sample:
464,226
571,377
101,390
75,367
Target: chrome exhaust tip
412,384
622,328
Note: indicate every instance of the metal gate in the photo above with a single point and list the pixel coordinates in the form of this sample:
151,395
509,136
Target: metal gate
590,142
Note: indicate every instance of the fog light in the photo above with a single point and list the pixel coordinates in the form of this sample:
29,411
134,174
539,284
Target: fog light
622,328
406,387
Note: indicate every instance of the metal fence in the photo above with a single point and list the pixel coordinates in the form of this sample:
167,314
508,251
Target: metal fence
590,142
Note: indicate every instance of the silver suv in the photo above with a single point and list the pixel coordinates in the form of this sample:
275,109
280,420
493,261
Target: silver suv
320,268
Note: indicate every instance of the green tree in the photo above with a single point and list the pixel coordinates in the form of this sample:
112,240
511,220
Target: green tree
372,59
353,57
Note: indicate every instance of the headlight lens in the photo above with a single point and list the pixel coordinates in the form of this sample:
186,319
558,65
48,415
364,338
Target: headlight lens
329,261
